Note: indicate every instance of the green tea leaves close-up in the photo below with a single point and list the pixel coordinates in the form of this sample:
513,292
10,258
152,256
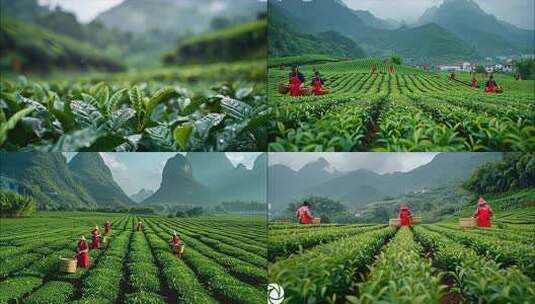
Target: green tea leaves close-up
108,117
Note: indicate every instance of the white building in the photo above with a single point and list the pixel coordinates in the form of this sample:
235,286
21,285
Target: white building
459,66
450,68
507,67
466,66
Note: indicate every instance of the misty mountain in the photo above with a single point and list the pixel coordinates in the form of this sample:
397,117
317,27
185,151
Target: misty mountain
359,187
177,16
46,177
372,21
216,172
483,31
209,167
247,185
288,38
95,176
141,195
178,186
428,42
286,184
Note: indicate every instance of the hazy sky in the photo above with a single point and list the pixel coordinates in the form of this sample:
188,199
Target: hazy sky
377,162
517,12
134,171
85,10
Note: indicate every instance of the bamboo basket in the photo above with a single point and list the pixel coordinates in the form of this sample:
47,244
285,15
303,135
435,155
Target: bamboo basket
67,265
467,223
284,88
316,220
415,220
394,222
182,249
306,91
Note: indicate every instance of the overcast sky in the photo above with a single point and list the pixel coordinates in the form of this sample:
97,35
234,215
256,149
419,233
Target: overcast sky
377,162
517,12
135,171
85,10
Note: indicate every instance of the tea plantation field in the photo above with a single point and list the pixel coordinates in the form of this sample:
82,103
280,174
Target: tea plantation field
409,110
212,107
429,263
224,261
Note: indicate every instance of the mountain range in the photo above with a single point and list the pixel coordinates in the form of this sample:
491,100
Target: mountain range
360,187
177,16
48,178
218,173
457,29
90,170
288,38
202,179
141,195
178,185
489,35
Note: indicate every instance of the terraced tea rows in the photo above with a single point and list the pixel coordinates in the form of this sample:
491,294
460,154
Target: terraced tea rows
426,264
409,110
224,260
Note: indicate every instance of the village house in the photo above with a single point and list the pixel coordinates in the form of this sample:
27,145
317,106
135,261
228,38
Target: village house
464,66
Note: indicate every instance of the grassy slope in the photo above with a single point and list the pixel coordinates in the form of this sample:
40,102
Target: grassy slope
503,204
198,78
35,43
239,42
289,38
303,59
507,81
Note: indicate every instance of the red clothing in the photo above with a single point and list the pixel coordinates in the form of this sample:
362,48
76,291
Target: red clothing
95,243
139,227
82,254
404,216
318,86
491,86
107,228
295,85
483,214
474,83
176,242
304,216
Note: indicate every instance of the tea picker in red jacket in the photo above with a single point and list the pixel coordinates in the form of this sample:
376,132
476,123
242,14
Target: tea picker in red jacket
483,213
296,80
404,215
317,85
82,253
177,244
107,227
303,214
95,242
140,226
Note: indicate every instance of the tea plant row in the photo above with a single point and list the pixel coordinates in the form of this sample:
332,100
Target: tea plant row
135,266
